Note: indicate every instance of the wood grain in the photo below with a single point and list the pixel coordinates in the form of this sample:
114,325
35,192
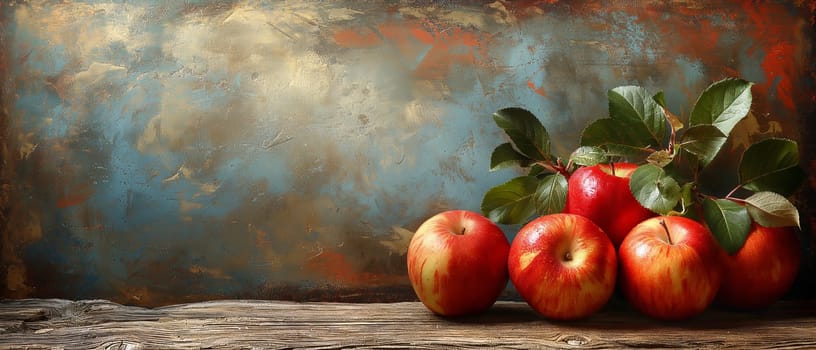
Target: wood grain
54,323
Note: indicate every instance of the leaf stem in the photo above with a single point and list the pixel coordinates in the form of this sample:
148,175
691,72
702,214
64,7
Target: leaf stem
556,167
733,191
672,136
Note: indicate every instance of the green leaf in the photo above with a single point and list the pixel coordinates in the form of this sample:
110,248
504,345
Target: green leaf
660,158
617,138
525,131
704,141
506,156
772,210
772,165
636,109
512,201
687,196
537,169
674,122
728,221
723,104
654,189
551,194
660,98
588,156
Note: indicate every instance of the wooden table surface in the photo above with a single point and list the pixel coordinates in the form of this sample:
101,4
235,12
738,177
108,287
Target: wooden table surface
53,323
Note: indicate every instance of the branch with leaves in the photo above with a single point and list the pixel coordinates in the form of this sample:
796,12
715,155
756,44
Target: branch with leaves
672,156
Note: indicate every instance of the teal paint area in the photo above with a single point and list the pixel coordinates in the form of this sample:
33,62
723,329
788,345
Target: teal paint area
162,152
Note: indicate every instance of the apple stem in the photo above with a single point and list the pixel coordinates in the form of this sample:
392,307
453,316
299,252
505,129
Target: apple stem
666,227
568,256
463,231
612,168
556,167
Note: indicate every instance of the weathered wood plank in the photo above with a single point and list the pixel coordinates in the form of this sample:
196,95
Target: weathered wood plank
40,323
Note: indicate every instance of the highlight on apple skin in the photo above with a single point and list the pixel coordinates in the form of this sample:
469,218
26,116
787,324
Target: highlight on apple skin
601,193
670,267
563,265
457,263
763,270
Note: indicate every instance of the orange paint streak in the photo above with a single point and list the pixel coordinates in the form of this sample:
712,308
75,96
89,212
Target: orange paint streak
538,90
435,47
782,63
448,48
777,39
423,36
336,268
76,198
778,63
404,37
349,38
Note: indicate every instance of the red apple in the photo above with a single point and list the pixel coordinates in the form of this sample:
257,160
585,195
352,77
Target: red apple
762,270
457,263
670,267
563,265
601,193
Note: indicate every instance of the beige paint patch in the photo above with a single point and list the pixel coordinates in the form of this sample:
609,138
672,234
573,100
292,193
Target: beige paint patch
342,14
83,28
502,15
27,145
399,240
186,206
207,189
96,73
419,112
457,16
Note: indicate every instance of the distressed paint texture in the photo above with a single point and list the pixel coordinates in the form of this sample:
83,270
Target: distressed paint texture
157,152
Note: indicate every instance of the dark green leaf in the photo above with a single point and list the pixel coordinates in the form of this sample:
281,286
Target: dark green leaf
674,122
588,156
660,158
694,211
505,156
660,98
636,109
551,194
723,104
772,165
772,210
631,154
784,182
687,196
617,138
525,131
537,169
728,221
704,141
511,202
654,189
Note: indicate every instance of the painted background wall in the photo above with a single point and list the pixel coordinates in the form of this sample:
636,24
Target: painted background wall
157,152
